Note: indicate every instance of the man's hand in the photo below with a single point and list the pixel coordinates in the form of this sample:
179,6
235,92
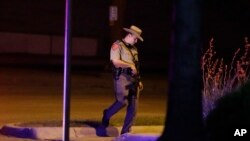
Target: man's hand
134,70
140,86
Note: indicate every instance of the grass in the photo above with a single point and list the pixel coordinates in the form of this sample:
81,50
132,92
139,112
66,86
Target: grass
32,95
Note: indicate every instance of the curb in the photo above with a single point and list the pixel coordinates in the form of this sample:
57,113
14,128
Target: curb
52,133
136,137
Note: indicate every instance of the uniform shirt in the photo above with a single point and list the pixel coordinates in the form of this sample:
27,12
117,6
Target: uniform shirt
121,52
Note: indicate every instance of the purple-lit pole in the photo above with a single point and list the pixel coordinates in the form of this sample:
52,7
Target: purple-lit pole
67,65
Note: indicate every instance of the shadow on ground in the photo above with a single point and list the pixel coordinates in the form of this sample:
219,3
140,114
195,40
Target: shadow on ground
99,128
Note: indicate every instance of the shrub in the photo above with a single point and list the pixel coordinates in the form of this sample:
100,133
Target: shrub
231,112
220,78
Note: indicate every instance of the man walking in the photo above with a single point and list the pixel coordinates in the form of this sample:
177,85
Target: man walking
126,75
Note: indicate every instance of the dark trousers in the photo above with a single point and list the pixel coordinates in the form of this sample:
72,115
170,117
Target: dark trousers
124,96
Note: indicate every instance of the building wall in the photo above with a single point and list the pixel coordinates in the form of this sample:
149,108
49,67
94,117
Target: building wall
89,20
45,44
89,17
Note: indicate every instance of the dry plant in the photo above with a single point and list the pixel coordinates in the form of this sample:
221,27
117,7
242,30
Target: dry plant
220,78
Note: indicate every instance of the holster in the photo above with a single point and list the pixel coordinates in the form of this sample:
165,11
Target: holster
118,71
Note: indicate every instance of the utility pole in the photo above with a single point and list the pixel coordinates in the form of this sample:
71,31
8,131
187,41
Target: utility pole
67,66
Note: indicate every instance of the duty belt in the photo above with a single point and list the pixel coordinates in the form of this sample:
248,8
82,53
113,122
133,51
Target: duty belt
118,71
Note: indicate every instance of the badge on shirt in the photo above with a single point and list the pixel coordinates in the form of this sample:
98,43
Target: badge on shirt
115,46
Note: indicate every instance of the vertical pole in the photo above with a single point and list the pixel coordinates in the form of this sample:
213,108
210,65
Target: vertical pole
67,65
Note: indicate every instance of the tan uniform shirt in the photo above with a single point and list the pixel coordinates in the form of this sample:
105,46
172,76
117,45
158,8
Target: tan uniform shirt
121,52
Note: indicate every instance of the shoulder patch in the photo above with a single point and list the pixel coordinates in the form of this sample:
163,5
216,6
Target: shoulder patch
115,46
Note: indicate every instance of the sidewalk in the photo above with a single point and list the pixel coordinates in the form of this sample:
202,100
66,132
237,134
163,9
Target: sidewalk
11,132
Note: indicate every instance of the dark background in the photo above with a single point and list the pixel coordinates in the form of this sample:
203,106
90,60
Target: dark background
226,21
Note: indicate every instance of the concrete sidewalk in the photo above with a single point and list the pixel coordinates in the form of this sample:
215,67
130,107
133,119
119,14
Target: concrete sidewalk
12,132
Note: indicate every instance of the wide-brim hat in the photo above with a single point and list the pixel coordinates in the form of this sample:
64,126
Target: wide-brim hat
134,30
